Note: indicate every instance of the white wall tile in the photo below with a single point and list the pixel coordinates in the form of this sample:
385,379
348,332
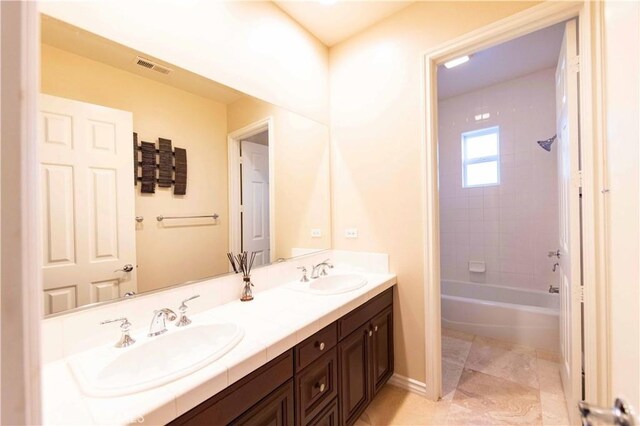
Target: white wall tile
510,226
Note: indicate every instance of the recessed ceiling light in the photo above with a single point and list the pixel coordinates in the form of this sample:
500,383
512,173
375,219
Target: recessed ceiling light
455,62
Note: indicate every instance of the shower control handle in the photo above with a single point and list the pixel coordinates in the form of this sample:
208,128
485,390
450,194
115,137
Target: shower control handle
554,254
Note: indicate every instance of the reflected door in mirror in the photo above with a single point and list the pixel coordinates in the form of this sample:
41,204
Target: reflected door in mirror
255,201
86,169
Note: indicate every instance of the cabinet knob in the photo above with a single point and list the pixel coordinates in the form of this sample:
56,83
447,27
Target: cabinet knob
320,345
321,386
375,328
370,333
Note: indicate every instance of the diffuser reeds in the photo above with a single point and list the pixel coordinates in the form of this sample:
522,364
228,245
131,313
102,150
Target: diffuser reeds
243,262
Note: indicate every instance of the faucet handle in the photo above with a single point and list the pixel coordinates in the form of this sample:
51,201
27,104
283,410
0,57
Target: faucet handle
183,312
183,305
325,263
125,326
304,278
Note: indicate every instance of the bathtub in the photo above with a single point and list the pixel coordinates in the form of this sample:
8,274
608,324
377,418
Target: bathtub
525,317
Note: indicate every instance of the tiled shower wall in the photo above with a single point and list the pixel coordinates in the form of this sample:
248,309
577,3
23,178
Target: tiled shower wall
511,226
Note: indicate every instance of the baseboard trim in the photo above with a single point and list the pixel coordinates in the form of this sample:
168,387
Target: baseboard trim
411,385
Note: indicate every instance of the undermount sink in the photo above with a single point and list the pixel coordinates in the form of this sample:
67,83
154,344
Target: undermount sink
152,362
331,284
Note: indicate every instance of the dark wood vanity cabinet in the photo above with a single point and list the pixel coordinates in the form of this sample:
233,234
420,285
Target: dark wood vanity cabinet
353,356
276,409
381,349
366,358
326,380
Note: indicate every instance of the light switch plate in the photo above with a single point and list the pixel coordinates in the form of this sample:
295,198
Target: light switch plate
351,233
316,233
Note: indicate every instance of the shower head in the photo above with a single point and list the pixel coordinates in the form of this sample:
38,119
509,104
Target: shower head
546,144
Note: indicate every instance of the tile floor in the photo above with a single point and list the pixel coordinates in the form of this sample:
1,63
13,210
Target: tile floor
485,382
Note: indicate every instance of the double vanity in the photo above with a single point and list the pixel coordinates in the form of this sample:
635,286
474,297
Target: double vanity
303,352
328,379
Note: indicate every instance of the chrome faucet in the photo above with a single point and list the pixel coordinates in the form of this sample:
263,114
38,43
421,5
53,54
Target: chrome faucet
320,269
159,321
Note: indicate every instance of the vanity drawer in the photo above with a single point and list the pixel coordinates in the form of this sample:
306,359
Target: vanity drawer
235,400
316,387
354,319
315,346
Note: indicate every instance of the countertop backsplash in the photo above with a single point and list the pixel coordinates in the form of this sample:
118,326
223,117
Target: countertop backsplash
75,332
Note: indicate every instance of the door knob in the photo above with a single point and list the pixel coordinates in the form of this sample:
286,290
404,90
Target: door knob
619,415
126,268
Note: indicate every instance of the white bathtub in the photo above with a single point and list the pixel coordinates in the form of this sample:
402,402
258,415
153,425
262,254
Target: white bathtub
525,317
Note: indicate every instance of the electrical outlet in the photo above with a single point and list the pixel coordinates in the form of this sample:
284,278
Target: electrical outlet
316,233
351,233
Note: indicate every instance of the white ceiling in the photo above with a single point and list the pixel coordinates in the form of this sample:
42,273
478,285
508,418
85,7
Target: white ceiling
334,21
515,58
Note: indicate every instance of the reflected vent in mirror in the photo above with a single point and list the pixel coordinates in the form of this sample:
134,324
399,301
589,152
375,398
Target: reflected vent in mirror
146,63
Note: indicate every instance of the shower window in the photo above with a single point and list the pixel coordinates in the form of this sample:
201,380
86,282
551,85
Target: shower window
481,157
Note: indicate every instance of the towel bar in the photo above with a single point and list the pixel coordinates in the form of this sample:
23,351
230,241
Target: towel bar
213,216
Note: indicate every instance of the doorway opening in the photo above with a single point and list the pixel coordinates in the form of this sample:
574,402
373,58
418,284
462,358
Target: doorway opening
250,190
509,216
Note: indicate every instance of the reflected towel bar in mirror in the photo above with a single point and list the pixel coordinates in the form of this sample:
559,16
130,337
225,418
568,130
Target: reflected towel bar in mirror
214,216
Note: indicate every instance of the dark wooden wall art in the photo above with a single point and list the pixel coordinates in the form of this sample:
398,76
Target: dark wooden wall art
170,163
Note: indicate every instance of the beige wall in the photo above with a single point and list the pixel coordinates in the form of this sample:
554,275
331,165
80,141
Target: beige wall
302,182
239,44
376,127
622,106
167,253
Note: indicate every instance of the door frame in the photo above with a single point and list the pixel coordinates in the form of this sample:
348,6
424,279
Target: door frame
590,34
233,149
21,282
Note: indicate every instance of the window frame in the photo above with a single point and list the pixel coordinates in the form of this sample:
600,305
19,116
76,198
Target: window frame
487,159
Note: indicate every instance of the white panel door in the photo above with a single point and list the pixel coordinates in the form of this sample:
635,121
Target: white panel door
569,206
255,201
88,205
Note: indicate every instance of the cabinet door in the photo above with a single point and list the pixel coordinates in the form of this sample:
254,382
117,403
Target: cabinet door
353,364
275,410
381,349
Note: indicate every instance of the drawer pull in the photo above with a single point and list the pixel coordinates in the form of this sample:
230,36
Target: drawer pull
320,345
321,387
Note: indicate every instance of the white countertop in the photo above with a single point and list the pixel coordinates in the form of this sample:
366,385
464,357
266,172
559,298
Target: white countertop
275,321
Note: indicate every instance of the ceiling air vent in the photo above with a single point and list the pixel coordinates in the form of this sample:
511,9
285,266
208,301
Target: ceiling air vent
146,63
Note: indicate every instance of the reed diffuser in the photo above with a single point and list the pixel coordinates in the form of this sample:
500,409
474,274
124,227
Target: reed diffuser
243,262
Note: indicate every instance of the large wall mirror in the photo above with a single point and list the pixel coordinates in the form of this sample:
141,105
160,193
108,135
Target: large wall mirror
119,217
